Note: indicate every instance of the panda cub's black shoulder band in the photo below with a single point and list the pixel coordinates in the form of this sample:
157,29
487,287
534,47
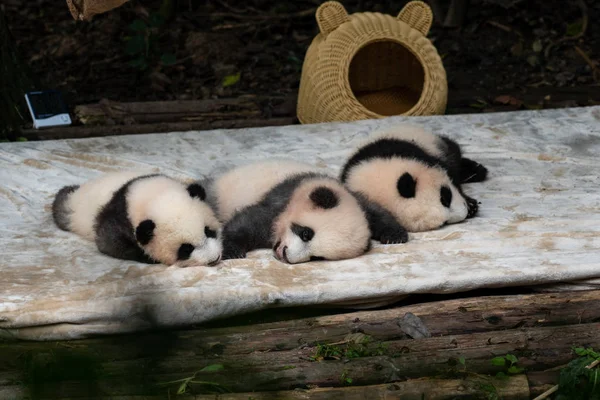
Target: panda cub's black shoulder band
390,148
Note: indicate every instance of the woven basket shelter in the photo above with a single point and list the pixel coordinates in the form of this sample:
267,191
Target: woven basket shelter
371,65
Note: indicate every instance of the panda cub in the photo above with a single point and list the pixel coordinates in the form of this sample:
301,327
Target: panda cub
146,218
416,175
300,212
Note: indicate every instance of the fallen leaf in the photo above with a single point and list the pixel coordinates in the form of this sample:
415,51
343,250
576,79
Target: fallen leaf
356,337
230,80
507,99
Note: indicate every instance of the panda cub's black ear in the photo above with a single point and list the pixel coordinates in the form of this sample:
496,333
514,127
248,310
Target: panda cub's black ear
196,190
324,198
145,231
407,186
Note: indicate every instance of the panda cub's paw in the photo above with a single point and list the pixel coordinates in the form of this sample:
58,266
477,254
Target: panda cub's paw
393,235
472,207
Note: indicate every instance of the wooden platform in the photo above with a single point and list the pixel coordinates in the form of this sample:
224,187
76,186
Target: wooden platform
432,350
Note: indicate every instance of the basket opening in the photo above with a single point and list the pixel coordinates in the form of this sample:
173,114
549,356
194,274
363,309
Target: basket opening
386,78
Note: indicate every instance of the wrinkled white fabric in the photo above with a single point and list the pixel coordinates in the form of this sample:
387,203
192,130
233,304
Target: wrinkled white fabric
539,224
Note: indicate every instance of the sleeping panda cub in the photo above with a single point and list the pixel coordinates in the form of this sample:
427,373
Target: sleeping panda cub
416,175
300,212
146,218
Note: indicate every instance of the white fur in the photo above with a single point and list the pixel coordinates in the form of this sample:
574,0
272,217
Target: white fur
178,217
247,184
341,232
377,179
86,202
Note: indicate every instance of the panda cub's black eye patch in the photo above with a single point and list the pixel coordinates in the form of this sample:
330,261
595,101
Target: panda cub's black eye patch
185,251
324,197
196,190
210,233
446,196
407,186
303,232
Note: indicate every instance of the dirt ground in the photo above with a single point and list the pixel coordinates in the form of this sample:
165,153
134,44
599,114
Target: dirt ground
508,54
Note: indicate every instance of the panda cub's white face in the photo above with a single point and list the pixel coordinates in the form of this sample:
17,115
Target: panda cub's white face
173,224
322,221
420,197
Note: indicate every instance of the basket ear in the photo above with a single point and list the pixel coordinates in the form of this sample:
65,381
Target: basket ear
330,15
418,15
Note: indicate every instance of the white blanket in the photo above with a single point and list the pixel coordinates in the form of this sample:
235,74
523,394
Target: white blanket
538,225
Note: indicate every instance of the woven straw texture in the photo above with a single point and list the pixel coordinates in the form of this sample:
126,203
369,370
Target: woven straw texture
84,10
371,65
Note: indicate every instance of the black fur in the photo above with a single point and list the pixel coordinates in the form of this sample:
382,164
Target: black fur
324,197
407,186
460,169
60,214
251,227
303,232
390,148
383,225
145,231
210,233
114,231
445,196
185,251
196,190
472,171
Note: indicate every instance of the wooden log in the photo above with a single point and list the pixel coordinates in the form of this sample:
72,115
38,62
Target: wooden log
537,349
115,130
513,388
449,317
112,112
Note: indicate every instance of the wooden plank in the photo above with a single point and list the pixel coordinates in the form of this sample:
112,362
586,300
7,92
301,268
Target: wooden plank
79,132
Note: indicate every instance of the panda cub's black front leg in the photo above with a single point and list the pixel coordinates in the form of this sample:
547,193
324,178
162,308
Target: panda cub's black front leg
384,226
248,230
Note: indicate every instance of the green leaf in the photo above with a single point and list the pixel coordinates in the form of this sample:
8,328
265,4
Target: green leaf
574,28
168,59
580,351
138,25
183,387
137,44
461,360
501,375
213,368
499,361
512,359
230,80
515,370
348,380
21,139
